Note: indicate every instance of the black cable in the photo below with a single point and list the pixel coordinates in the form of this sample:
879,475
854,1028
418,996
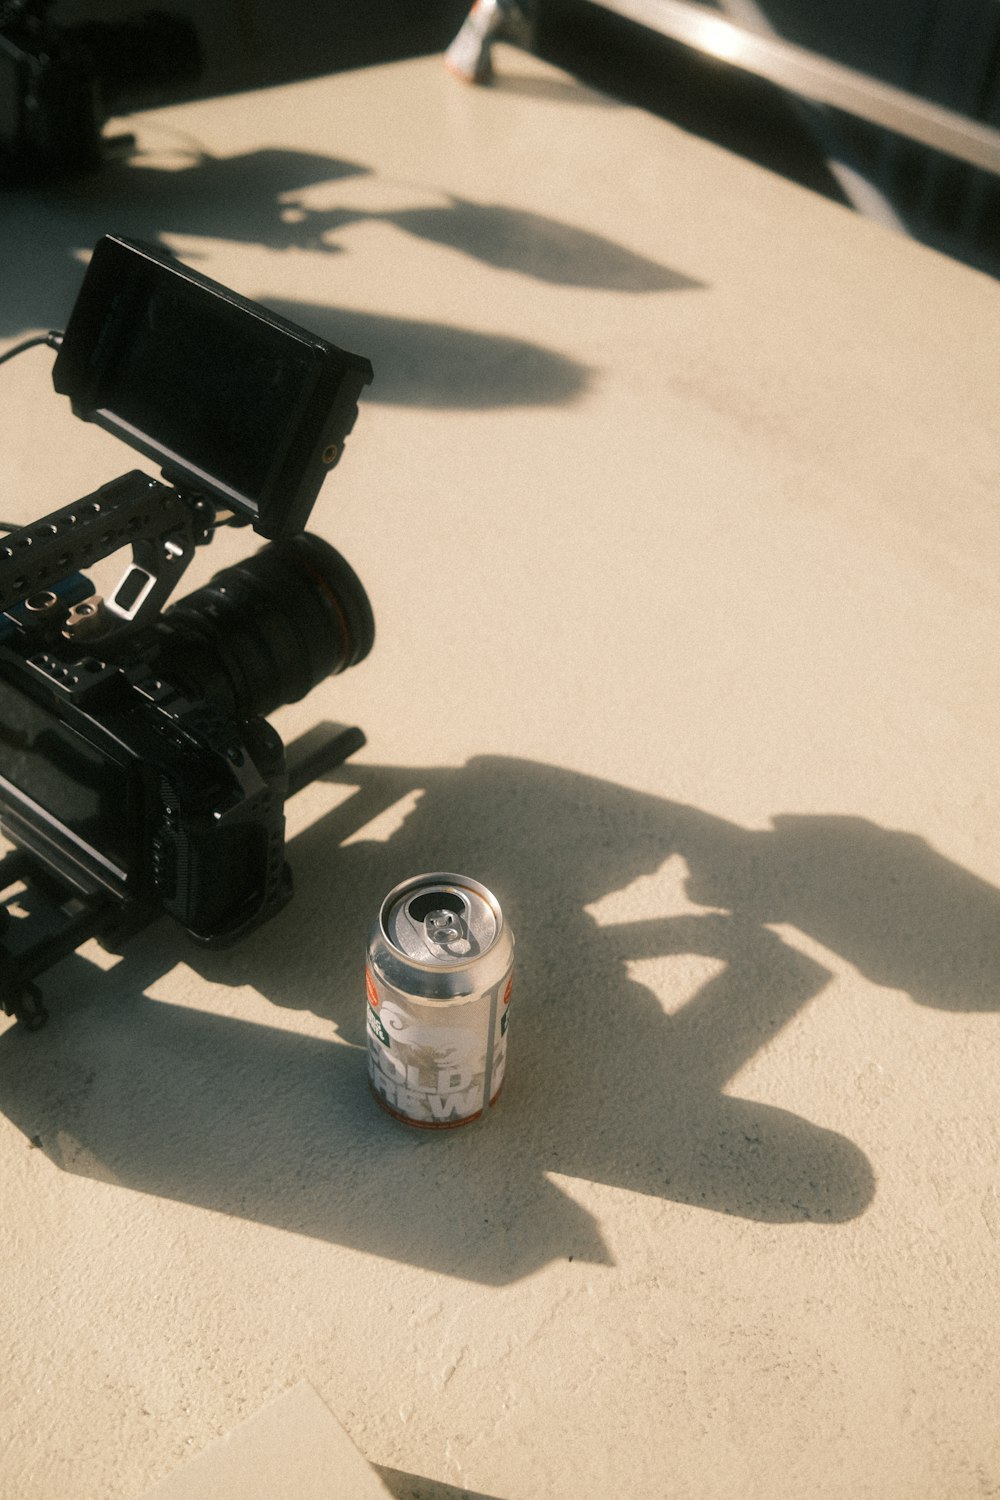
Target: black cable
53,338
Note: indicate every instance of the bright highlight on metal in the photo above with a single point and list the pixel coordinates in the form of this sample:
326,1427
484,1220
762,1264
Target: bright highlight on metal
817,78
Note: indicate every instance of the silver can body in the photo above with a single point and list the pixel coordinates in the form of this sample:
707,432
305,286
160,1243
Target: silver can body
438,978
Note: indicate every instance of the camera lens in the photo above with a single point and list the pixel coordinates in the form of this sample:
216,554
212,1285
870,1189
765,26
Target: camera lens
262,633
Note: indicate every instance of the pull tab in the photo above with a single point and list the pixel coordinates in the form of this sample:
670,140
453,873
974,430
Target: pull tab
442,928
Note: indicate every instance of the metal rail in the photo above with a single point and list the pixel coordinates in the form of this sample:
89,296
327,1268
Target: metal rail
815,77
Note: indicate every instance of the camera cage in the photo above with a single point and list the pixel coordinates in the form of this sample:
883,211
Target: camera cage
137,307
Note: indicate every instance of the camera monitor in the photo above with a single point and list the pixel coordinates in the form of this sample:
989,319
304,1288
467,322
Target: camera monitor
230,399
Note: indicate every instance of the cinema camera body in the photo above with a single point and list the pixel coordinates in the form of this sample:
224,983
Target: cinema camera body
138,773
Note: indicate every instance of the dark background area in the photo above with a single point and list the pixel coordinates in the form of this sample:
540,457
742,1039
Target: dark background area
248,44
949,54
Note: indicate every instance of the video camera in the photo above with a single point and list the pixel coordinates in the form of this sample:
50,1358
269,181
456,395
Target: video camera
138,773
60,84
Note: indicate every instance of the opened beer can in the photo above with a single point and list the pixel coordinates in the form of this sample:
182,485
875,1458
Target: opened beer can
439,982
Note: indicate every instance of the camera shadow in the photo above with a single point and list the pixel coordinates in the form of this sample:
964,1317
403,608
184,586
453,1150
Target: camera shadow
256,198
437,366
608,1082
406,1486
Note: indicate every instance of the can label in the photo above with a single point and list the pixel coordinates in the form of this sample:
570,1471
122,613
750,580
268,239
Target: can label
439,1070
437,1049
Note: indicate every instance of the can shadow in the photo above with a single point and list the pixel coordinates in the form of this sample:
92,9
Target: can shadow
608,1082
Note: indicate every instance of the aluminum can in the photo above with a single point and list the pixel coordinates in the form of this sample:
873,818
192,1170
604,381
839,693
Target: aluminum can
438,976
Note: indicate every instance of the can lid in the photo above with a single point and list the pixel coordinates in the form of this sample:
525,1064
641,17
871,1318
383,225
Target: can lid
440,920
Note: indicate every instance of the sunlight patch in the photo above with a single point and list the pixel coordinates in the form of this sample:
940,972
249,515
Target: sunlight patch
387,823
314,802
675,978
649,897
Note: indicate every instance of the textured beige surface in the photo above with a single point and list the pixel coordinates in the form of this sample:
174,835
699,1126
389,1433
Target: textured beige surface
676,496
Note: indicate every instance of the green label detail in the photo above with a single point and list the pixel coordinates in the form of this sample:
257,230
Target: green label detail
379,1029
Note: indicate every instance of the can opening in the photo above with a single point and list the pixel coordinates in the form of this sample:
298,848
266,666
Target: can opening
421,906
440,921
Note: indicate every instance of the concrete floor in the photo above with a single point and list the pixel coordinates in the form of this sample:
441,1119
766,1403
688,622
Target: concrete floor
676,498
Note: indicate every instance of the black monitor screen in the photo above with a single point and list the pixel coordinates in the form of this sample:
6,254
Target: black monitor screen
201,379
232,400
